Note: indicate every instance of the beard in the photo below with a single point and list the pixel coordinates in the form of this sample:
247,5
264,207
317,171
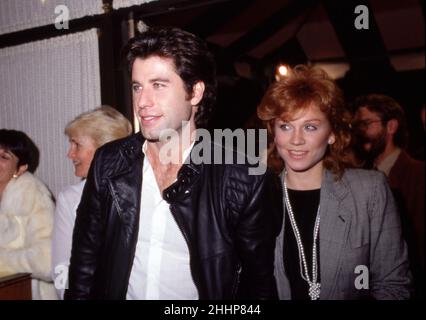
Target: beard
369,148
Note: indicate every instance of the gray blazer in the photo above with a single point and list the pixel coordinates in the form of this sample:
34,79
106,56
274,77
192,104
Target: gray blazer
359,225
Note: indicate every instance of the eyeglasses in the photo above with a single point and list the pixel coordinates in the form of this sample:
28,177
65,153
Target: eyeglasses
365,124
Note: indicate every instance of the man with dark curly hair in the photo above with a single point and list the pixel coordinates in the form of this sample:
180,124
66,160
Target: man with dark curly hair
153,229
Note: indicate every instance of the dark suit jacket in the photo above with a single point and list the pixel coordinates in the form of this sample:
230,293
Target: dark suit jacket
407,181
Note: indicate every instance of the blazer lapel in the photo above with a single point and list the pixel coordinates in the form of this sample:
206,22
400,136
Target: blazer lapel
284,291
334,223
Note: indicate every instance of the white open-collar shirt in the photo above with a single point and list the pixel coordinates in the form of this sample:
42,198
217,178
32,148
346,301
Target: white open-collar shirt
160,268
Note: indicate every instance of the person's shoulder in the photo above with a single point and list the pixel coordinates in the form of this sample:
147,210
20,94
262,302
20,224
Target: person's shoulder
31,183
28,178
363,178
358,185
126,144
116,156
362,174
72,191
27,194
238,163
410,163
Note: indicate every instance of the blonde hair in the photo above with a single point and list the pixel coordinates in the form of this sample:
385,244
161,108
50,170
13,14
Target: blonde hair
102,125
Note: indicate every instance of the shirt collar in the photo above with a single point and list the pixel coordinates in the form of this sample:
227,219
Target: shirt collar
185,152
386,165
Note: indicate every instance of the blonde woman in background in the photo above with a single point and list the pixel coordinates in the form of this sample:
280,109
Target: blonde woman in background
86,133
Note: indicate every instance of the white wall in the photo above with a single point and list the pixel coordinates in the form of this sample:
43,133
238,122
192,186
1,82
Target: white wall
43,85
117,4
16,15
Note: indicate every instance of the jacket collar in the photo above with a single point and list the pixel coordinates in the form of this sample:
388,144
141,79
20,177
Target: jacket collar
186,177
131,152
130,164
131,155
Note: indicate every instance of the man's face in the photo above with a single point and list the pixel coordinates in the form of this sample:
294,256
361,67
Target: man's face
159,97
370,133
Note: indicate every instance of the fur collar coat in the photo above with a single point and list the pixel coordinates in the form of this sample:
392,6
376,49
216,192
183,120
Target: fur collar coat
26,221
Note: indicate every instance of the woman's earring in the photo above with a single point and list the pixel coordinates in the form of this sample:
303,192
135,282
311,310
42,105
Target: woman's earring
15,176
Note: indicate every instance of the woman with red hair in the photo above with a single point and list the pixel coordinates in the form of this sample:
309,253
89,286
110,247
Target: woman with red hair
341,233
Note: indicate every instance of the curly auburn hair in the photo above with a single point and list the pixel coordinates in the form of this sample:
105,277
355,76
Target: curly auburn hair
302,87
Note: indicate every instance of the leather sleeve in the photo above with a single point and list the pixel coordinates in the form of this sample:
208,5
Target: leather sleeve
87,237
256,231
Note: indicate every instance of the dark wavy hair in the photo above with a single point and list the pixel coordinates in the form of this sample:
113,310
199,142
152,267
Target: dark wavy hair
192,59
387,108
303,86
21,146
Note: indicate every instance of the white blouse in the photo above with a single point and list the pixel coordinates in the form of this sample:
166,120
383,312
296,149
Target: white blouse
66,207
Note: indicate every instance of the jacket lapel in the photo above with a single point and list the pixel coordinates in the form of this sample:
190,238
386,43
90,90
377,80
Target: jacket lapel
334,223
125,184
284,291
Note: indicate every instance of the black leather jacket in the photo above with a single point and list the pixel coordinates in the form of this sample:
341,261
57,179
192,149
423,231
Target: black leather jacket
229,219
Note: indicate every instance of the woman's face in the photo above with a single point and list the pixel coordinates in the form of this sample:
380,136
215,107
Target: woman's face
8,166
302,140
81,152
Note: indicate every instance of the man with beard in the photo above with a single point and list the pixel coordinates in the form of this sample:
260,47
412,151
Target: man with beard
380,136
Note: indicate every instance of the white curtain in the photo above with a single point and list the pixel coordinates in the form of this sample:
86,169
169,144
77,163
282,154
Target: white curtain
117,4
45,84
16,15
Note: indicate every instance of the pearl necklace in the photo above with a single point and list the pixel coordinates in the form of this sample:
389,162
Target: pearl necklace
314,286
